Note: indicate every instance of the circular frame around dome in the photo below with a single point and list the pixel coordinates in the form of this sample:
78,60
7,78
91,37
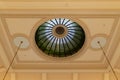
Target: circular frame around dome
67,41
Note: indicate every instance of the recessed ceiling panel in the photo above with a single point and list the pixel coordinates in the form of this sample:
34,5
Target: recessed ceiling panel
99,25
21,25
29,56
90,56
29,59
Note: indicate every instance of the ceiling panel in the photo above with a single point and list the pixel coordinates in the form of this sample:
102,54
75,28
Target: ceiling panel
99,25
16,25
25,26
90,55
29,56
19,26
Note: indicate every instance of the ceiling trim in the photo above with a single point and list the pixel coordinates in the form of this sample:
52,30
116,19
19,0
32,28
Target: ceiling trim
61,70
7,39
47,12
4,40
114,44
61,5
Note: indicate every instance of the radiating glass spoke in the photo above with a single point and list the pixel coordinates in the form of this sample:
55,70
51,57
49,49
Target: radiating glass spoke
50,24
43,40
67,45
73,39
63,21
70,41
63,46
48,43
53,22
47,25
74,32
56,21
41,35
55,47
45,29
52,42
45,33
60,21
66,22
68,25
74,36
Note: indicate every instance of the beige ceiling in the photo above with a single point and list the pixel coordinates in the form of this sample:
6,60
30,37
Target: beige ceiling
106,5
99,19
54,0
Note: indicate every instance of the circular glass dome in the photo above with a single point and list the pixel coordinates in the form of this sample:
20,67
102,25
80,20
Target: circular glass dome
60,37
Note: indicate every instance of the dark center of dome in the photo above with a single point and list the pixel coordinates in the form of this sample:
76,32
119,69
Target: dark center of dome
60,30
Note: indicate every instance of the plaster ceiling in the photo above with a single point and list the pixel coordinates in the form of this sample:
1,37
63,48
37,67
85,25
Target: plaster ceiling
89,4
53,0
18,22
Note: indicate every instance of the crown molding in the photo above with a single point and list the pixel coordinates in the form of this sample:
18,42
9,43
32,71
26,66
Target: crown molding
61,5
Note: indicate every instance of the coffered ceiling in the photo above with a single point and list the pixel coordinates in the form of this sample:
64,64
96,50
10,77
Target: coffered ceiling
22,18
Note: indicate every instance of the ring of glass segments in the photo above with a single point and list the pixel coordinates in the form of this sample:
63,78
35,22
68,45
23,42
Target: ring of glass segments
60,37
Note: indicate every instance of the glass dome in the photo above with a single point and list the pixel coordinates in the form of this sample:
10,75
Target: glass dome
60,37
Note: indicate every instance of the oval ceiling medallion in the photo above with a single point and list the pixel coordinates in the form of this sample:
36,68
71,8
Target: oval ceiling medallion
25,41
94,43
60,37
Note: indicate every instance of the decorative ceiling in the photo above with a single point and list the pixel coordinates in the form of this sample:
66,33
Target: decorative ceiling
19,22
